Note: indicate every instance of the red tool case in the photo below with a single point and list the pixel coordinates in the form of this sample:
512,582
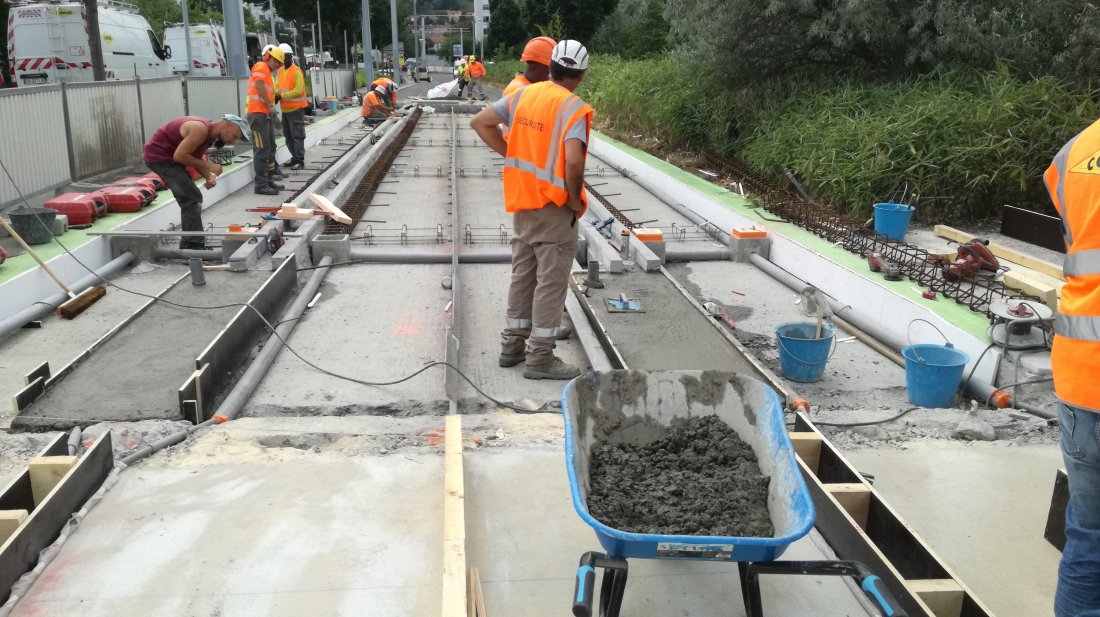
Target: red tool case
158,182
128,198
141,181
81,208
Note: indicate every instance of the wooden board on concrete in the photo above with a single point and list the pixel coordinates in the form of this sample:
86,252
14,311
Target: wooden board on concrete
20,553
454,522
943,595
46,473
808,448
10,520
1003,252
28,394
42,370
1047,288
325,204
855,498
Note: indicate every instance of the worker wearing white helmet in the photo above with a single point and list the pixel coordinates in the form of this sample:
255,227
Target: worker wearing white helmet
291,86
544,190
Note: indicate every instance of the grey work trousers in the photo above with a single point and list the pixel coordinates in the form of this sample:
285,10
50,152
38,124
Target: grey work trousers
263,148
188,198
544,246
294,131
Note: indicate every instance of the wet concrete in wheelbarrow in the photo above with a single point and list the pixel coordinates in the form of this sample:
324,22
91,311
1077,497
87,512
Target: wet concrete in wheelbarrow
699,479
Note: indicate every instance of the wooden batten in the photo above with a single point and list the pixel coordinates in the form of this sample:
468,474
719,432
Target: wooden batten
46,473
808,448
454,522
854,498
943,595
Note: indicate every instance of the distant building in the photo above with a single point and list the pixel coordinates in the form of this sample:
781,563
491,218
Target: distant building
481,19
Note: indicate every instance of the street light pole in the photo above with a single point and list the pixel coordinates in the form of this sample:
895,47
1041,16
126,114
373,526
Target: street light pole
320,36
393,41
368,59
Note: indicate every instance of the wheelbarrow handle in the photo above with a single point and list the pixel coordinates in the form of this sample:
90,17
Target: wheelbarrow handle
876,591
586,581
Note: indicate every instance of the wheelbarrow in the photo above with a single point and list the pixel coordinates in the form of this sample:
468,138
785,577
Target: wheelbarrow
602,406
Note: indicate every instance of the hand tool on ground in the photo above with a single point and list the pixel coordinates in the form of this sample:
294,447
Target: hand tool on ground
76,304
972,259
878,264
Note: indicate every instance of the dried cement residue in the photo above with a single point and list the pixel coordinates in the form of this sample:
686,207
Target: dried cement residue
700,479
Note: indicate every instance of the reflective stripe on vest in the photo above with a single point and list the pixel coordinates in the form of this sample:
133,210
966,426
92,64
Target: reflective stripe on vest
1061,164
261,90
1083,263
1077,327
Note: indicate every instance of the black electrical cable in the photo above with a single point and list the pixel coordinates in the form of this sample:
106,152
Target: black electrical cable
273,330
869,422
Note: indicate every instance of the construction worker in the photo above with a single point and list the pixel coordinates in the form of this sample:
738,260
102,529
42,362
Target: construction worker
537,56
291,87
181,144
389,85
463,77
1073,180
544,189
476,72
261,101
376,105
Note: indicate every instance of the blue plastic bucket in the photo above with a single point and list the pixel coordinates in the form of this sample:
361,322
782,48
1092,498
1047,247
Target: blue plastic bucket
933,373
801,356
892,220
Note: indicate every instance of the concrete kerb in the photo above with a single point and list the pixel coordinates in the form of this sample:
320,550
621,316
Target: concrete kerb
600,249
873,302
33,285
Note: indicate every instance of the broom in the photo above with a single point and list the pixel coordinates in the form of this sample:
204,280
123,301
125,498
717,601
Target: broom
77,303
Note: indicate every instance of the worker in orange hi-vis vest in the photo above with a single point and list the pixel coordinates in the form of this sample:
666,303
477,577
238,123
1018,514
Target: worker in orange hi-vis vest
537,56
476,72
376,105
544,190
261,99
291,87
390,87
1073,181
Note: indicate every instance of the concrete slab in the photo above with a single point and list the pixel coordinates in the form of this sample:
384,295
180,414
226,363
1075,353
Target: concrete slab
484,299
982,508
373,322
223,530
135,374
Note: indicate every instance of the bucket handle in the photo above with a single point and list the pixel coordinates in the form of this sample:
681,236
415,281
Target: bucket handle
830,357
909,335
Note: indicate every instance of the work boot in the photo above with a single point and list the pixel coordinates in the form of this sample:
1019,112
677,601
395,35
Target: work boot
512,350
565,330
508,360
266,190
297,165
555,368
276,186
278,176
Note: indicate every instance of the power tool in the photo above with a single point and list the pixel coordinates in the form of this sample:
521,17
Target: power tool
878,264
971,260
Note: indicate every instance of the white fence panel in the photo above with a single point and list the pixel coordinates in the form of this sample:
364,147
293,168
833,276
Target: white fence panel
213,97
33,144
161,102
104,126
332,82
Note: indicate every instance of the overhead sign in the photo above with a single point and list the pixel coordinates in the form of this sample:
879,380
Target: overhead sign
456,50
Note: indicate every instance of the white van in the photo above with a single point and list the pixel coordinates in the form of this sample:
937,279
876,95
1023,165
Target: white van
48,43
207,50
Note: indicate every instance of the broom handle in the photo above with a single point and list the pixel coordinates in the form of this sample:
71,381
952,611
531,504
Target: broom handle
29,250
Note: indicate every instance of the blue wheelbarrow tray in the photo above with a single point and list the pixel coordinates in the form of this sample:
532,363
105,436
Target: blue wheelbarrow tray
624,405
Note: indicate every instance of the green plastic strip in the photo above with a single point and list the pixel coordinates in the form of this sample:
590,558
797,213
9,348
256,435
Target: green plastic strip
74,238
957,314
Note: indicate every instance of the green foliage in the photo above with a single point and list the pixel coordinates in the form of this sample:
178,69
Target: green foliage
636,29
501,71
553,28
579,18
506,35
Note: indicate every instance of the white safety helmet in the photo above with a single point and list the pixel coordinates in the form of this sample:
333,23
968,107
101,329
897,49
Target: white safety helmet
287,49
570,54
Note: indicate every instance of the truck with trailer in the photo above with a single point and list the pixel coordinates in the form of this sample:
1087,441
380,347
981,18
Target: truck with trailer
48,43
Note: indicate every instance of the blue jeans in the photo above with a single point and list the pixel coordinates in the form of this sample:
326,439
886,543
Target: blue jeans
1079,573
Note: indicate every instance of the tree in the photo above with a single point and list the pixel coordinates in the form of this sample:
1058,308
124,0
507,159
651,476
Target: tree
506,31
636,29
579,18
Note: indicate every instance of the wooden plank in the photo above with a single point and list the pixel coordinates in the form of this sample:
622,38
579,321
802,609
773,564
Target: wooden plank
471,608
1003,252
42,370
479,598
325,204
1047,288
10,520
454,521
808,448
46,473
28,394
855,498
20,553
943,595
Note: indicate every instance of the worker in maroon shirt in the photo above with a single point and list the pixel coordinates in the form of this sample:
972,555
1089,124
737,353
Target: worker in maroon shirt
181,144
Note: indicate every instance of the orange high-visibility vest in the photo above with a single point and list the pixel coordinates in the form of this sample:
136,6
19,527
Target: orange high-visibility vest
1073,180
540,115
370,103
292,88
517,83
261,89
388,84
477,69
